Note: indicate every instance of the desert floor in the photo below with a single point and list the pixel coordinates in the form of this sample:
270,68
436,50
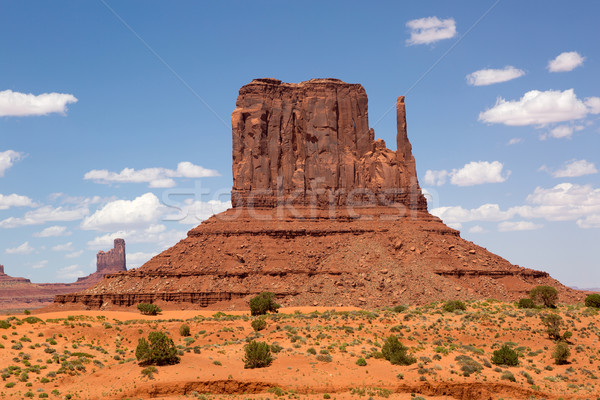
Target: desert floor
91,355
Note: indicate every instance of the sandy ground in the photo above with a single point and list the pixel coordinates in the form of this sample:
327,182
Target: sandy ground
91,355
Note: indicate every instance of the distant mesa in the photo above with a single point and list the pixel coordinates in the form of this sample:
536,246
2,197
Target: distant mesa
323,214
20,293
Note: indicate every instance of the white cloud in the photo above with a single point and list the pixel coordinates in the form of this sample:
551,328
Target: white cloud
25,248
514,141
574,168
53,231
589,222
510,226
429,30
155,177
17,104
477,229
45,214
134,260
120,214
458,214
70,272
156,234
40,265
562,132
7,159
593,104
564,62
473,173
15,200
539,108
63,247
485,77
75,254
194,212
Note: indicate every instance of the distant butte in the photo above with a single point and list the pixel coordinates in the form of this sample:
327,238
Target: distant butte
323,214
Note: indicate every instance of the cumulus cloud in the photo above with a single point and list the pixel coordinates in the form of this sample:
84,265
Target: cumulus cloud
564,62
514,141
134,260
155,177
458,214
430,30
119,214
589,222
572,169
194,212
70,272
473,173
511,226
540,108
40,264
7,159
53,231
156,234
63,247
477,229
485,77
45,214
25,248
15,104
561,132
15,200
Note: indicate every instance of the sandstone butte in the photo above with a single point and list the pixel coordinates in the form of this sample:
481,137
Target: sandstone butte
322,214
21,293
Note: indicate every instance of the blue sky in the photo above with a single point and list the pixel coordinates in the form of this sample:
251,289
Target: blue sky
111,109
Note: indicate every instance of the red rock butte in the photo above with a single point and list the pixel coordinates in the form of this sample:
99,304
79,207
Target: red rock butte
323,214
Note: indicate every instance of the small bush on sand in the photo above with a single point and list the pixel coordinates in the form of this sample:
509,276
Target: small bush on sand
505,356
561,353
453,305
526,303
553,323
259,324
258,355
395,352
263,303
159,349
593,300
184,330
544,295
148,308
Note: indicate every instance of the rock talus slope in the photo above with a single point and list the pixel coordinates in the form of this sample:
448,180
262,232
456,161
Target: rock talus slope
323,214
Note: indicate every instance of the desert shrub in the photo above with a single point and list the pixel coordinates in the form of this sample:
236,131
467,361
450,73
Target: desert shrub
311,350
263,303
184,330
509,376
361,362
526,303
148,372
148,308
454,305
4,324
505,356
561,353
258,355
545,295
399,308
27,312
159,349
259,324
468,365
395,352
32,320
553,323
593,300
275,348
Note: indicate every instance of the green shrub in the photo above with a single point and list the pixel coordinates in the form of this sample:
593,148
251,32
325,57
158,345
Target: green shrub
159,349
263,303
259,324
258,355
468,365
324,357
395,352
526,303
544,295
553,323
361,362
454,305
148,308
399,308
593,300
4,324
561,353
32,320
184,330
505,356
148,372
27,312
311,350
509,376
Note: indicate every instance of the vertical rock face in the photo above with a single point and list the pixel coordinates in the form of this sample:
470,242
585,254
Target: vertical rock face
310,144
1,269
112,260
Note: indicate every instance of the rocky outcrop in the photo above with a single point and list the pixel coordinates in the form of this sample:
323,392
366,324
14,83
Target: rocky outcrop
310,144
323,214
112,260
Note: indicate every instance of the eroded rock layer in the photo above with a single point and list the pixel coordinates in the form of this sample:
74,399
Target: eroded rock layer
322,214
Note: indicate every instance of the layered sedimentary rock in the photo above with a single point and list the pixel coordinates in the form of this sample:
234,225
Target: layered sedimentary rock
323,214
19,293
